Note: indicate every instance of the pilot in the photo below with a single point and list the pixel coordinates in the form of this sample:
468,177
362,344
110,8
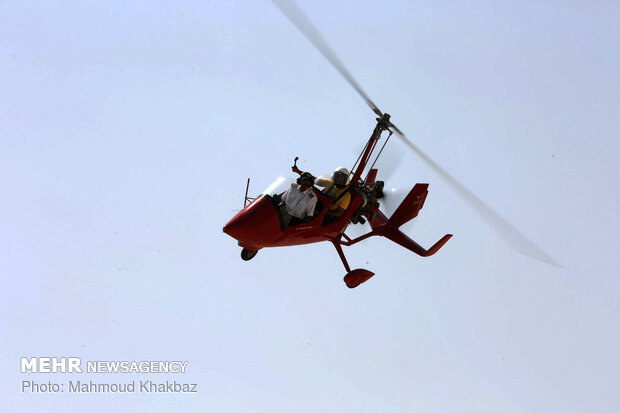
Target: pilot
299,200
336,187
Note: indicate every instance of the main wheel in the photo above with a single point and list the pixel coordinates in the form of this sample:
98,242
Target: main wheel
357,277
247,255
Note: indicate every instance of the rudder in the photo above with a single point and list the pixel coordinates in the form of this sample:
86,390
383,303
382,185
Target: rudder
409,208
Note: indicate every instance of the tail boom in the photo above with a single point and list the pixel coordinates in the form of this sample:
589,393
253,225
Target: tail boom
406,211
394,234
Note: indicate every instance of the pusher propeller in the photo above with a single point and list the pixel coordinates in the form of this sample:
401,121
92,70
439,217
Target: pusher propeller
506,231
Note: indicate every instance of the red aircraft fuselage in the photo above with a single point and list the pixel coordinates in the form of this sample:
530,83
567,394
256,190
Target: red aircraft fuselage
258,225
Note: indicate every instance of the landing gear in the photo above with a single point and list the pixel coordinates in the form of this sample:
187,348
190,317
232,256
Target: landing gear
356,277
353,277
247,255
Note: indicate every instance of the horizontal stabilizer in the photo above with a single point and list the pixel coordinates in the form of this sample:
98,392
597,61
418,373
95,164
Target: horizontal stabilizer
401,239
411,205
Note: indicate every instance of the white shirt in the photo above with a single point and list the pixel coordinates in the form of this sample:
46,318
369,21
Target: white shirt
299,204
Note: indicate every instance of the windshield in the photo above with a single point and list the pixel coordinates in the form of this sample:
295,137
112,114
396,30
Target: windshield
278,186
282,183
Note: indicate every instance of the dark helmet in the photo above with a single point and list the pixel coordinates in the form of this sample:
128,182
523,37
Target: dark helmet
306,176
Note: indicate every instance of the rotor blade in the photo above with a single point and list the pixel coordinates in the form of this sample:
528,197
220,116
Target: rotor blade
509,233
291,10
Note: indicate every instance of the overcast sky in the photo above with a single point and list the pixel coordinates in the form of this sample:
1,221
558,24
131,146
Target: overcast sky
128,131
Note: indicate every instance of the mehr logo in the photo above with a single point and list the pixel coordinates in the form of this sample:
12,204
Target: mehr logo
51,365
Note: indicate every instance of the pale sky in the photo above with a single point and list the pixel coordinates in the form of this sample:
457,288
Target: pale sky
128,131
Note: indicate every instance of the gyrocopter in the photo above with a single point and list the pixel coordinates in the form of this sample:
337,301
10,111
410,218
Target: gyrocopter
263,222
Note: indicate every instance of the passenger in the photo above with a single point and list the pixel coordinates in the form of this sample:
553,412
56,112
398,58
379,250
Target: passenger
299,200
336,188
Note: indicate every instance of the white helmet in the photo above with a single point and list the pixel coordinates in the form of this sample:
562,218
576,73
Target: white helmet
340,177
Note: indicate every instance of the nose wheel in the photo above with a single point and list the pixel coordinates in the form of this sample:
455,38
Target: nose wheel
247,255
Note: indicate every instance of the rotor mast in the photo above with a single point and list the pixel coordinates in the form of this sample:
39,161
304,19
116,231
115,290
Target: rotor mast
383,123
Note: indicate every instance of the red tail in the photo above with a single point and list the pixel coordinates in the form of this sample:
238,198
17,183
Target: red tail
411,205
406,211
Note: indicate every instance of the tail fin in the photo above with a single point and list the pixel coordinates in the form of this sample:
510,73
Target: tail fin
406,211
411,205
